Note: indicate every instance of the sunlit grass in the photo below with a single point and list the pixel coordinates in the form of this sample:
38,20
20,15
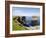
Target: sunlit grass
17,26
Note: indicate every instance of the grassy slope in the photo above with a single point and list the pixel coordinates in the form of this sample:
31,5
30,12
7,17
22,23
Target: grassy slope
18,27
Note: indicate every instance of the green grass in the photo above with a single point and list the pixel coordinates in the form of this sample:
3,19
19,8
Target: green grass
17,26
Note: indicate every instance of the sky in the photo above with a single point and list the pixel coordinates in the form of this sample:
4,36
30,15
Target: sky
24,11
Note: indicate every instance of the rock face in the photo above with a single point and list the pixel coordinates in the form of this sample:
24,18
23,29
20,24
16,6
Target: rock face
21,19
34,21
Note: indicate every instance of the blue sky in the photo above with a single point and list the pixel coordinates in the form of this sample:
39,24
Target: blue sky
23,11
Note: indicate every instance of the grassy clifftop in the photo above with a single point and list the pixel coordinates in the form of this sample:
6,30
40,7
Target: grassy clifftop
17,26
